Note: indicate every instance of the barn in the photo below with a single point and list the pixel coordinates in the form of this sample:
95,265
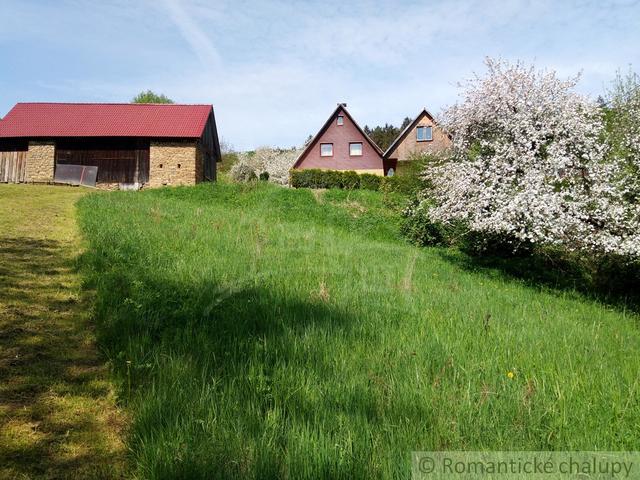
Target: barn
132,145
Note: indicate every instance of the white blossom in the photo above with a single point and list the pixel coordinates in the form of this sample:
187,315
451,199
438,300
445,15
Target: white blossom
277,163
528,161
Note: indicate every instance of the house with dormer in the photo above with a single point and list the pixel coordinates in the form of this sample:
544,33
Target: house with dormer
421,135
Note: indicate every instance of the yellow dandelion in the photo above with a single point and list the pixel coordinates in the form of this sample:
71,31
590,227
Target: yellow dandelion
128,362
510,374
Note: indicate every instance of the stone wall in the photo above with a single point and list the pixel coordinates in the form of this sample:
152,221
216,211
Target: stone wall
172,163
41,161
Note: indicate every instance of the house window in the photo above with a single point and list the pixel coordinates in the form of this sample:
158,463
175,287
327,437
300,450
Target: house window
340,120
355,149
326,149
424,134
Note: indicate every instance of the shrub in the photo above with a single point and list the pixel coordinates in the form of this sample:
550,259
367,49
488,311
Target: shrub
302,178
370,182
267,163
407,185
242,169
335,179
318,178
351,180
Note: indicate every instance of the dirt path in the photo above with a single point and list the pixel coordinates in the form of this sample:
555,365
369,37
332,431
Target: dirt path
58,415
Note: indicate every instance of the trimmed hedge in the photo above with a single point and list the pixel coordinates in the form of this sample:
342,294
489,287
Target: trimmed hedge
350,180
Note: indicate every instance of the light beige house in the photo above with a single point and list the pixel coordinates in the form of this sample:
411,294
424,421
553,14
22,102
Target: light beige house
421,135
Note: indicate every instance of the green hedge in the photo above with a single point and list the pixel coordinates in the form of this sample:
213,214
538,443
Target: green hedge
350,180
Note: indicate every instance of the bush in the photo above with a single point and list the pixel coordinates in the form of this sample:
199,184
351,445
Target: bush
370,182
267,163
350,180
407,185
334,179
319,178
302,178
404,184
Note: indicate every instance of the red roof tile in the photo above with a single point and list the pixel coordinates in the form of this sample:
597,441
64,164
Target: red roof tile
105,120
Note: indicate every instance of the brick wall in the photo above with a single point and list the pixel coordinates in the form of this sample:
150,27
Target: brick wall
173,163
40,161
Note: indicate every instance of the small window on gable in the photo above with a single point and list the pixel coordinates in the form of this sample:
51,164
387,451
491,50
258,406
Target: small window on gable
340,120
424,134
326,149
355,149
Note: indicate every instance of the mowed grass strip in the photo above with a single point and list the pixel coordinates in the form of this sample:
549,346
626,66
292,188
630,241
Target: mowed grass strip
278,333
58,417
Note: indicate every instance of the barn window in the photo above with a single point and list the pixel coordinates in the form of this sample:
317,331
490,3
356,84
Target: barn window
326,149
340,120
355,149
424,134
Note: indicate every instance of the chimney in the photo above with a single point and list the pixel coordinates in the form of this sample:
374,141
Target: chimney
343,104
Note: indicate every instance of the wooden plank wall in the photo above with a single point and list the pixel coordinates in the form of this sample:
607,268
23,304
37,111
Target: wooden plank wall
13,167
119,160
124,166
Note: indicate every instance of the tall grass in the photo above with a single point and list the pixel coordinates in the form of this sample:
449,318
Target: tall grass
275,333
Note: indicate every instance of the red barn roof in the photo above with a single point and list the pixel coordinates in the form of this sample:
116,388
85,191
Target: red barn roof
105,120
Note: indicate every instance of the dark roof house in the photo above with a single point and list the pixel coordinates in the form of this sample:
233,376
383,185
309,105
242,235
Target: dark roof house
341,145
132,145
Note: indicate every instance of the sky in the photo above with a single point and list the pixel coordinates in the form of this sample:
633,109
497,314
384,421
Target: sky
274,70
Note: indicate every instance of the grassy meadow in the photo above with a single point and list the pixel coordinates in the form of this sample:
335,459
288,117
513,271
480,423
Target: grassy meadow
278,333
58,411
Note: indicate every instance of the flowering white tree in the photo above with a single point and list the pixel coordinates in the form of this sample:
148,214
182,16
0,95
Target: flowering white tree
622,107
275,162
527,162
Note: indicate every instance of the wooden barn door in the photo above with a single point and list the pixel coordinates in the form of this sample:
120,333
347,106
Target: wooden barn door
13,167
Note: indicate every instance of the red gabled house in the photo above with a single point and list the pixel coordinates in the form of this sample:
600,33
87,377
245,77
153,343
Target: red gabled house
342,145
132,145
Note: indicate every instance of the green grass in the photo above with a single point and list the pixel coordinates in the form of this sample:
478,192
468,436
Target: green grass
58,415
278,333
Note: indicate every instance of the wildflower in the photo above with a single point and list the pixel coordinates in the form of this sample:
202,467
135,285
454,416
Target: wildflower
128,362
510,374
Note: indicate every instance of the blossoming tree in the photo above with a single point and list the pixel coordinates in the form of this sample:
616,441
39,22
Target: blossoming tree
275,162
528,162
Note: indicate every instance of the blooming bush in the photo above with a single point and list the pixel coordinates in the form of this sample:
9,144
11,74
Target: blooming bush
622,123
275,162
528,163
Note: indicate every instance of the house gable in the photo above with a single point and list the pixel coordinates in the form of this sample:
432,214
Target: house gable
346,147
409,141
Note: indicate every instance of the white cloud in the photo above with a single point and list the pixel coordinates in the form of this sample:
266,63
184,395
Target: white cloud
193,34
275,70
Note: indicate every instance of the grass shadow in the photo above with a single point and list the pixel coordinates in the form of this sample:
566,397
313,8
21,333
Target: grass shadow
55,417
606,280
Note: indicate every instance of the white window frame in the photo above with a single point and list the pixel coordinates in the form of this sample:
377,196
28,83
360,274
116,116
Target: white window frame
351,145
326,154
340,120
427,130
